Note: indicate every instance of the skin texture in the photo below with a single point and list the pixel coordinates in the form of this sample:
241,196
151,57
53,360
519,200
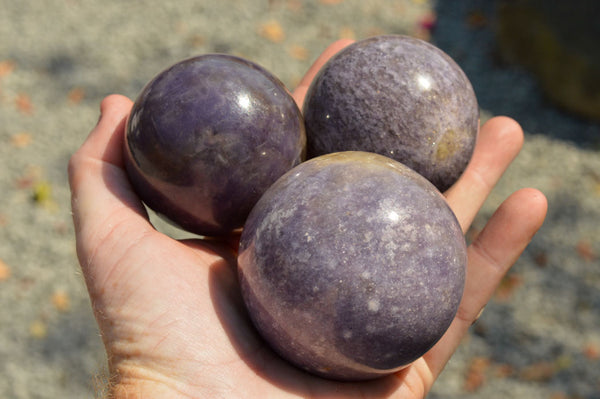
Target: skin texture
207,136
352,265
170,313
396,96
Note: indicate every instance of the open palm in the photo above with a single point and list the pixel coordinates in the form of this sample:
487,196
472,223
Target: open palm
170,311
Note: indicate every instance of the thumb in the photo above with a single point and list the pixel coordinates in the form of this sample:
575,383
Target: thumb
105,208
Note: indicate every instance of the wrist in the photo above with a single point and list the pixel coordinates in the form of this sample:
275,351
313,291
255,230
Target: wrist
141,385
140,390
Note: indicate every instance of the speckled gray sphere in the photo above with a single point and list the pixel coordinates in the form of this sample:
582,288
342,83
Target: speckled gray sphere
352,266
397,96
207,136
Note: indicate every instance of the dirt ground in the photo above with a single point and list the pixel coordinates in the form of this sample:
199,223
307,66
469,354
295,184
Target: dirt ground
538,338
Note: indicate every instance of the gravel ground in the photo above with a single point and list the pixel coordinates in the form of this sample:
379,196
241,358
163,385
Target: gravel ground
539,337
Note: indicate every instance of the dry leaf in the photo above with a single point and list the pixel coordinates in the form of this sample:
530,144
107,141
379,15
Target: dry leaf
76,95
476,374
4,271
508,286
21,140
585,251
42,192
61,301
299,53
29,178
422,34
504,371
42,195
476,19
428,21
294,5
273,31
181,27
26,283
539,372
6,68
591,351
23,103
60,228
563,362
375,31
541,259
24,182
38,329
347,33
197,40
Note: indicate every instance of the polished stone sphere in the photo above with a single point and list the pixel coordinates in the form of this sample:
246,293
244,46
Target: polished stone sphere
206,137
396,96
352,266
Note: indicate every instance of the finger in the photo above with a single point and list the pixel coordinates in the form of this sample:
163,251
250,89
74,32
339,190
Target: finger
491,255
499,142
104,142
302,88
101,197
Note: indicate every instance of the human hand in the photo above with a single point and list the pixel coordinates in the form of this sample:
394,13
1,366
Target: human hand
170,312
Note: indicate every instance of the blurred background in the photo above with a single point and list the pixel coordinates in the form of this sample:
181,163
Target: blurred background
536,61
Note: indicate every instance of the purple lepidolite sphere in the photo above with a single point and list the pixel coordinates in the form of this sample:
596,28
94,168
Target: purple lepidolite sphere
396,96
207,136
352,265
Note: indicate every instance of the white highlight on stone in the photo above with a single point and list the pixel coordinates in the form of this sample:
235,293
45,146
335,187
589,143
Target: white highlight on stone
244,101
373,305
424,82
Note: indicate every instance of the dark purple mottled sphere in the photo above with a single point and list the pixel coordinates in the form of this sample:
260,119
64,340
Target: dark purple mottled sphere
396,96
352,265
207,136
